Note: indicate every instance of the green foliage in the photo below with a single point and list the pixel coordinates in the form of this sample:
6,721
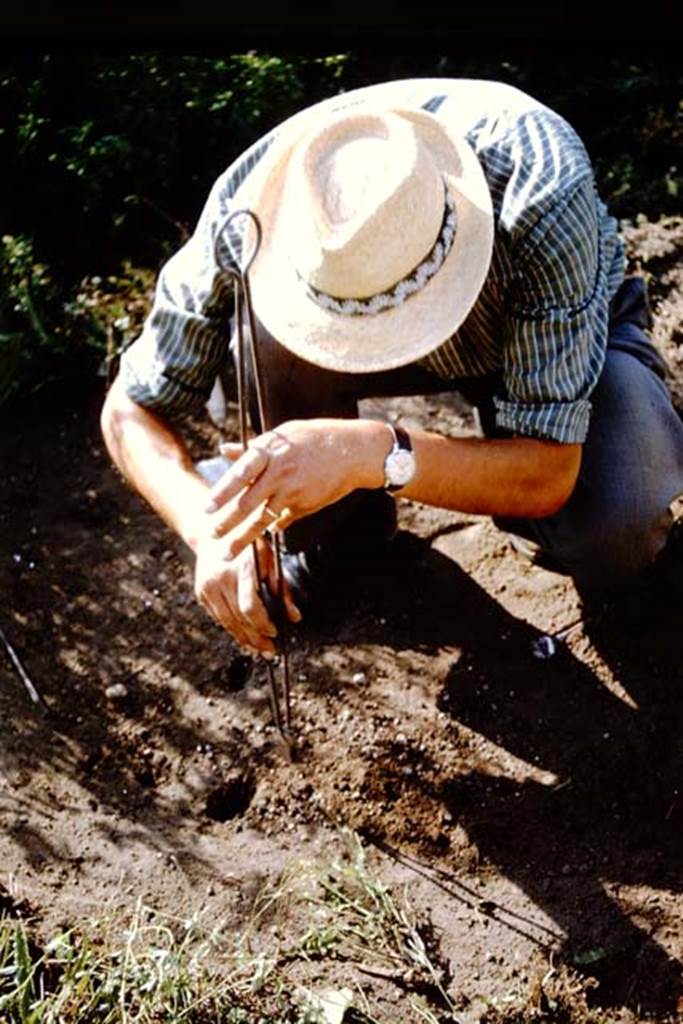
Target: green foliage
105,159
26,284
109,159
89,133
50,334
27,298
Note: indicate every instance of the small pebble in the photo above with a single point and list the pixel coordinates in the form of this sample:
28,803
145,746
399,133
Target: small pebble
117,691
543,647
359,677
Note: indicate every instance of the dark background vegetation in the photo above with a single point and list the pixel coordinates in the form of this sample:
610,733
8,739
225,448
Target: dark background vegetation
107,159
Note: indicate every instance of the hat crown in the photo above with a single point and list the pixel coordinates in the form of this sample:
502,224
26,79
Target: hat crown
368,201
376,234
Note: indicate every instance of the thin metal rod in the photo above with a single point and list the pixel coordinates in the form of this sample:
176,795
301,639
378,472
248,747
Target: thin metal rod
283,630
241,390
265,425
274,702
23,674
283,633
255,358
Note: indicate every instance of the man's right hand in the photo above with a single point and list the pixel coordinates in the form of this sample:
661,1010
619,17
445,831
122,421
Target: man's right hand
154,459
228,591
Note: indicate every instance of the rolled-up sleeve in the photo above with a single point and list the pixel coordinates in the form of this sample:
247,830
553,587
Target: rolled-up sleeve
556,321
172,365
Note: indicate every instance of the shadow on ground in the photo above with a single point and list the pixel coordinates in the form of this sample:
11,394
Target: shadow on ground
583,848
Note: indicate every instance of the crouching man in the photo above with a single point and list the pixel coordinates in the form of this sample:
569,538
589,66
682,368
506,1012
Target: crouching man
416,236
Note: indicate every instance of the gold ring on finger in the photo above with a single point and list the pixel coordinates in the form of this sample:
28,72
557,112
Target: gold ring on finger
277,518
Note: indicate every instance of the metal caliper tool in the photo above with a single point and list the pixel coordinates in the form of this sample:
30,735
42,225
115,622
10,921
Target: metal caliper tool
279,669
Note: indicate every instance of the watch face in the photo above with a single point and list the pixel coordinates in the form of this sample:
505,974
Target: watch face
400,467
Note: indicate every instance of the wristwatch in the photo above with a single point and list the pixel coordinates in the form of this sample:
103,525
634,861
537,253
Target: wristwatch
399,465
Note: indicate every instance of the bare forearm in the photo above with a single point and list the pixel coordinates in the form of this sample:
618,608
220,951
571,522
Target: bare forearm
155,461
304,465
507,477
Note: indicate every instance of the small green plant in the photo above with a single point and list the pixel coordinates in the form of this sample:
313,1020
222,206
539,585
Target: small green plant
338,915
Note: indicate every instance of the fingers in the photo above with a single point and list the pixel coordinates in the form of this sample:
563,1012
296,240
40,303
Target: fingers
244,531
254,614
261,491
231,449
242,499
230,596
246,470
247,514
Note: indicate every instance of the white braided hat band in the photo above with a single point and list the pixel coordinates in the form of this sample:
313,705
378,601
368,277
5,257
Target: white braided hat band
404,288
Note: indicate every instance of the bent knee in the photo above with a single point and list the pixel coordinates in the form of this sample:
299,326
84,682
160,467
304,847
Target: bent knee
606,554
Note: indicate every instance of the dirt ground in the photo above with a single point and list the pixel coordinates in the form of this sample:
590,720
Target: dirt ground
530,806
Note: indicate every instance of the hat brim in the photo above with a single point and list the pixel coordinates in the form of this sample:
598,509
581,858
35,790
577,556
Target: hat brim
396,336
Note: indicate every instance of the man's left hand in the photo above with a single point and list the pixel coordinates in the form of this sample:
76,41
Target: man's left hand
293,471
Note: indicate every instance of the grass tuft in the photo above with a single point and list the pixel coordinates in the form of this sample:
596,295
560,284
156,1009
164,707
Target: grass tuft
151,968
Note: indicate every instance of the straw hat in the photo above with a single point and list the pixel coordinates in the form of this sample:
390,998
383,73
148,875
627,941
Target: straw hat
377,231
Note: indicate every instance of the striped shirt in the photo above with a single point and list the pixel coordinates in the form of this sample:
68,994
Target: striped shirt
541,320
